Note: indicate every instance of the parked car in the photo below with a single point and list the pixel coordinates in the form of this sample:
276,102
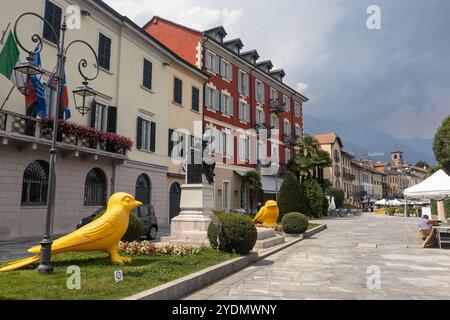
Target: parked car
145,212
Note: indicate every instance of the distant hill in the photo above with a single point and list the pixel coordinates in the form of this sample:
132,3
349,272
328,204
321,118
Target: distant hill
360,141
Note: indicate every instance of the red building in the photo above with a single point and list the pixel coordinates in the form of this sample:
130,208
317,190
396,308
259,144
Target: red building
243,100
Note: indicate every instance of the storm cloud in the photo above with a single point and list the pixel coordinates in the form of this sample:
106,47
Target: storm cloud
395,80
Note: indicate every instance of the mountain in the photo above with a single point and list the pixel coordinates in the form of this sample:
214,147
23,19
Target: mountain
361,141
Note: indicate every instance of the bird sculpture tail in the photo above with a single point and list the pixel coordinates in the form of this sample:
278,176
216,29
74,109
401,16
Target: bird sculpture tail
14,265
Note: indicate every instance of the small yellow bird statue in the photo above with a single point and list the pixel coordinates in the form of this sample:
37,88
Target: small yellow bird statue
102,234
268,215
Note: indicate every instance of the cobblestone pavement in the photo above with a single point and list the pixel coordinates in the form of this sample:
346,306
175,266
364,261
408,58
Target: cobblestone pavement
341,261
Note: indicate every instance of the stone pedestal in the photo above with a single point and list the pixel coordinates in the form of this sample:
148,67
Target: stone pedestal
191,226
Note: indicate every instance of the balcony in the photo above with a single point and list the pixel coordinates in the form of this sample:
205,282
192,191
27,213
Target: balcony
348,176
24,131
276,107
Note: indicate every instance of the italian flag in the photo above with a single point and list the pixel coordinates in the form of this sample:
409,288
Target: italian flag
9,59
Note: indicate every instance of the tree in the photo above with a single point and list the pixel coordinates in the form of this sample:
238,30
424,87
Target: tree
441,144
252,181
313,198
289,199
422,164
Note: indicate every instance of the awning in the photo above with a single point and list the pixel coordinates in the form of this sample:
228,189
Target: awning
270,184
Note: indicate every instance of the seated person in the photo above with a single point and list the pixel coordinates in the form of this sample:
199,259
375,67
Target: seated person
425,226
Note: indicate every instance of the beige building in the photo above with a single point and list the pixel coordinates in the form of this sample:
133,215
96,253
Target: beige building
332,144
135,90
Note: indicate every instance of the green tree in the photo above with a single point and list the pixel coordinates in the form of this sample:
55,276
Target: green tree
422,164
289,199
313,198
441,144
339,196
252,181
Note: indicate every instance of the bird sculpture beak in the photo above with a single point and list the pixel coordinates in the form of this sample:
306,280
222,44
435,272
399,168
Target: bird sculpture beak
137,204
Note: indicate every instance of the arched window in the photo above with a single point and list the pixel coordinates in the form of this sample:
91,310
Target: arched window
35,184
95,188
144,189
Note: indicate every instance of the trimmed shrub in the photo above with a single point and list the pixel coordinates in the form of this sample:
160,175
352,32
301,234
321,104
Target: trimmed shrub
289,199
339,196
237,233
135,229
325,206
294,223
312,196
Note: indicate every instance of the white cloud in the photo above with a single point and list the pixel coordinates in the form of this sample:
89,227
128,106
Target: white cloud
202,18
302,87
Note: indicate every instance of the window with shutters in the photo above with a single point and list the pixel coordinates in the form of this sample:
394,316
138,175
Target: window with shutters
104,51
195,99
146,135
101,117
147,74
243,83
260,117
274,121
178,91
53,14
297,109
259,92
212,62
226,70
298,131
287,104
273,94
226,104
212,99
244,112
287,128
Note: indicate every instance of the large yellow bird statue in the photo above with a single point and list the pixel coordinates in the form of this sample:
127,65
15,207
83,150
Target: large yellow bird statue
268,215
102,234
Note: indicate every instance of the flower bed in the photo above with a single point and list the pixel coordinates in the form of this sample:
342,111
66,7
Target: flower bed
145,248
91,134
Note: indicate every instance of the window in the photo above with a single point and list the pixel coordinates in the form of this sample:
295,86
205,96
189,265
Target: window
226,104
287,104
104,52
95,188
273,94
53,15
195,99
143,189
212,99
287,155
35,184
222,143
244,148
225,195
274,122
298,131
243,83
178,91
287,128
244,111
99,119
260,117
259,92
297,109
226,70
212,62
146,135
148,74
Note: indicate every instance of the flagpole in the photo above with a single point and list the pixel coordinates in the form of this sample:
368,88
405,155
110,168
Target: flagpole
7,98
5,32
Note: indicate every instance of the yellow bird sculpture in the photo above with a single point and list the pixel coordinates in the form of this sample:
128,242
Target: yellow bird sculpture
268,215
103,234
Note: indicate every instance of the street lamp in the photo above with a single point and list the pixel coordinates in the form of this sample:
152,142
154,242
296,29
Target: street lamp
29,69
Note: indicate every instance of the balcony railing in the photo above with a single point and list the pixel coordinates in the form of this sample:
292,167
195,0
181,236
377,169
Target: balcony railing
28,129
348,176
276,107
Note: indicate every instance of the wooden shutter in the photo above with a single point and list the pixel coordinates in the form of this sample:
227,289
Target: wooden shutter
140,123
112,120
240,82
230,66
153,137
93,113
207,97
231,106
208,60
256,91
147,74
170,142
247,82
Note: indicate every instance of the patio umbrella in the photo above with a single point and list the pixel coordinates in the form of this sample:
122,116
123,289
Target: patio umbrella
395,203
382,202
332,204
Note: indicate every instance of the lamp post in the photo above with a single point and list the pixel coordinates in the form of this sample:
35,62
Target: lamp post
30,69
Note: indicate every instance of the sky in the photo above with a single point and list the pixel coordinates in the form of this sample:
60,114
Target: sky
395,79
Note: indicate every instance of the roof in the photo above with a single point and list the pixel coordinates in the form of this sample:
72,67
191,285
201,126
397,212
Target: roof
304,98
265,63
250,53
154,41
238,42
219,29
328,138
278,71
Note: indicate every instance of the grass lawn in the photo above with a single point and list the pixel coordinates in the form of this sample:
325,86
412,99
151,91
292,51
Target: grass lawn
312,226
97,276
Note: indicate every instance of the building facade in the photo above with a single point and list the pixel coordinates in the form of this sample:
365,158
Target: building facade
134,94
243,100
